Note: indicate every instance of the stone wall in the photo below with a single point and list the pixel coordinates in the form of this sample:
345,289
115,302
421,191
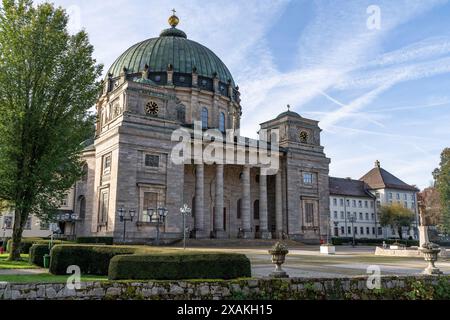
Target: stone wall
418,287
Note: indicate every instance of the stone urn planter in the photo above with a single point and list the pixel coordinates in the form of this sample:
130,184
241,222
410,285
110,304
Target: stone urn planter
327,248
279,252
430,253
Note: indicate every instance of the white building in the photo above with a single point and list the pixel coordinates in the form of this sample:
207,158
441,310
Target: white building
389,189
34,227
352,210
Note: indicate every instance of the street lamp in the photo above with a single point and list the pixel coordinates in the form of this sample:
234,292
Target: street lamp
124,219
159,215
352,220
185,211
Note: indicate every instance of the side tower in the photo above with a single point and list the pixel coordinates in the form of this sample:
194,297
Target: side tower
304,172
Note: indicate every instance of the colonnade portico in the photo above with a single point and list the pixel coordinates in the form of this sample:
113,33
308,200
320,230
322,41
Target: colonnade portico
247,231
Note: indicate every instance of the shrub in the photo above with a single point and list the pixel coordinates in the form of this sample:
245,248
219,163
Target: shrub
96,240
26,244
175,266
4,244
37,252
92,259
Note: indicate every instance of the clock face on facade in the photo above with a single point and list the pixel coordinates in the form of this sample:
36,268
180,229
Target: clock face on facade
303,135
152,108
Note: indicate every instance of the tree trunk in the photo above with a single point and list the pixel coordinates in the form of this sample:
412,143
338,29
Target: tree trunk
14,254
400,232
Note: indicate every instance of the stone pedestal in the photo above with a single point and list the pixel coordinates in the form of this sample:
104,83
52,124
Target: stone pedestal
248,235
327,250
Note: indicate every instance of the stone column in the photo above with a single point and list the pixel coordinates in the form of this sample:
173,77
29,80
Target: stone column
246,212
278,205
219,231
263,215
199,201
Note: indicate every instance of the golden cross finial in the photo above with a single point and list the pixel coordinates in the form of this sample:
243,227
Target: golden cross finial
174,20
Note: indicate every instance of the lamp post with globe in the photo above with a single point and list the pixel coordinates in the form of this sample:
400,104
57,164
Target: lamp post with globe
185,211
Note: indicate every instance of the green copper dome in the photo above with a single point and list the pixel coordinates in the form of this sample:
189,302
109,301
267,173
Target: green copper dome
172,48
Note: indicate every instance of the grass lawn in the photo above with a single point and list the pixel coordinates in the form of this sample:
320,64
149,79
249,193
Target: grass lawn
46,278
24,264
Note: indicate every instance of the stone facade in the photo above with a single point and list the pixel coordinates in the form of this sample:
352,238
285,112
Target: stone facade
130,166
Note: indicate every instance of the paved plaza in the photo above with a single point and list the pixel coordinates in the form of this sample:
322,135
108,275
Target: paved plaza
306,261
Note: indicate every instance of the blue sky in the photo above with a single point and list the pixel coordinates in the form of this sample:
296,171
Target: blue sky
379,93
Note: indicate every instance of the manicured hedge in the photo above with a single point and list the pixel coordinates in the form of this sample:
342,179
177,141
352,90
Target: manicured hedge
175,266
26,244
92,259
377,242
97,240
37,253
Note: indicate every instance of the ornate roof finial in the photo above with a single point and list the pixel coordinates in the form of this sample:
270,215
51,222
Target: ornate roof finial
377,164
289,107
174,20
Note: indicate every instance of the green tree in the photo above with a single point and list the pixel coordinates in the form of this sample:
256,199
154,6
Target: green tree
48,83
442,182
396,216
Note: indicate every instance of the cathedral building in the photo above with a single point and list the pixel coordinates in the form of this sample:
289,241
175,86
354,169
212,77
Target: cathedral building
133,189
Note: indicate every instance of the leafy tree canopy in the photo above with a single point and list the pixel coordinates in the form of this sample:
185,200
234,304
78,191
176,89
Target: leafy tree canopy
442,180
396,216
48,83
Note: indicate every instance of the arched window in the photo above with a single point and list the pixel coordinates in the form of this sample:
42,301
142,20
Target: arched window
256,210
222,122
84,176
181,113
239,212
82,207
205,118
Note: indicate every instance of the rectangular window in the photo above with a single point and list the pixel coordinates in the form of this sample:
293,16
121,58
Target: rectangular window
349,230
307,178
151,161
348,203
342,230
360,203
104,207
380,231
335,215
44,225
8,222
405,196
341,202
107,164
355,230
377,194
373,230
354,203
309,208
367,216
367,230
366,204
361,216
334,201
362,230
150,202
342,215
398,196
413,198
28,224
371,204
65,201
373,216
390,195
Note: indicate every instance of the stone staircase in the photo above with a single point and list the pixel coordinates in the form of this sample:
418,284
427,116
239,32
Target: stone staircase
235,243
